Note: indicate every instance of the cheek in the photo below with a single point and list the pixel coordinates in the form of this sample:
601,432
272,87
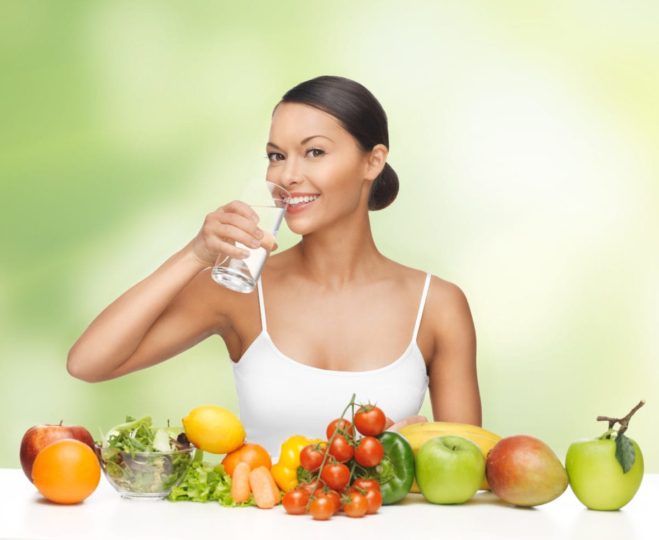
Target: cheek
343,175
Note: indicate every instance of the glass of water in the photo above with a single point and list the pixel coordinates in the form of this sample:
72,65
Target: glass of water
241,275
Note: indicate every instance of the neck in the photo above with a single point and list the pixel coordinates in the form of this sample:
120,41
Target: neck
340,254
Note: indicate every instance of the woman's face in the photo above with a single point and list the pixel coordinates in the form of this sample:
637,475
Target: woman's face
319,163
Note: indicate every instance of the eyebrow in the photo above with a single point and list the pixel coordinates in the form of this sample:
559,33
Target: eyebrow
307,139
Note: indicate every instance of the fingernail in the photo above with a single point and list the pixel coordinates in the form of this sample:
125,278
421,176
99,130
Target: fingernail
254,243
259,233
244,254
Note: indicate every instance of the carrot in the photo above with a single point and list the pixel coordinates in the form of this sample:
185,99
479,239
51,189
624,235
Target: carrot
274,486
240,490
265,490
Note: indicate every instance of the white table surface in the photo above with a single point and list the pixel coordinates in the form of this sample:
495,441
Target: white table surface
25,514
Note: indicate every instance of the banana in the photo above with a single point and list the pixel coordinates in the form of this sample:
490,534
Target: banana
419,433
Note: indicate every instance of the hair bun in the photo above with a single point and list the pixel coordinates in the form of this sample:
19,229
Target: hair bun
384,189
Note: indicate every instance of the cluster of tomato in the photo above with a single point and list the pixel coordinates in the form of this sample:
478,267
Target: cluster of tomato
339,472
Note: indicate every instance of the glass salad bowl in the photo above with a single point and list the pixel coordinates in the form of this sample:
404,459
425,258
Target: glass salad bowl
144,462
144,475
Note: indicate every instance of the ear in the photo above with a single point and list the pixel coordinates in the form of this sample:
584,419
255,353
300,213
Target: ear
377,157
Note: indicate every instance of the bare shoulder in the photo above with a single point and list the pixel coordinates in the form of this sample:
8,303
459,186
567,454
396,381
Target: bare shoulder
447,294
448,312
440,291
446,302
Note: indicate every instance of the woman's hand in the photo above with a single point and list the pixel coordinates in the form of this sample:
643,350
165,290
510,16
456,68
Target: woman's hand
396,426
231,223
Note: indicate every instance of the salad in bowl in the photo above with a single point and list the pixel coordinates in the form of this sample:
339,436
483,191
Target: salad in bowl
141,461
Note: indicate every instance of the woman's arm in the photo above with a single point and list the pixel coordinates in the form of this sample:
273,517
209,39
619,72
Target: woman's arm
144,325
170,310
453,377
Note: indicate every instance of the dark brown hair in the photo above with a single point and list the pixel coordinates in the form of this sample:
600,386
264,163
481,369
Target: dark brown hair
361,115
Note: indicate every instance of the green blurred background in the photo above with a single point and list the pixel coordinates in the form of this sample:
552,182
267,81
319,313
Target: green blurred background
525,135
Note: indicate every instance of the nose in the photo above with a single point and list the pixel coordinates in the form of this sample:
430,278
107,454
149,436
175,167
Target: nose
291,175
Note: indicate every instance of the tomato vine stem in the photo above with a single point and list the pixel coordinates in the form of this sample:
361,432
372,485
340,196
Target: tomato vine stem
327,452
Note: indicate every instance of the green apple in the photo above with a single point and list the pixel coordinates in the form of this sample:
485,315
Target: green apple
605,473
596,476
449,469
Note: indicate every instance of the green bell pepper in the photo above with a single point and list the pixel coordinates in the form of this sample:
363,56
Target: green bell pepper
396,470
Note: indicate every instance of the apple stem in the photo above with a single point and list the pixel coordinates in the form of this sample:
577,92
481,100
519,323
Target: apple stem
624,421
61,422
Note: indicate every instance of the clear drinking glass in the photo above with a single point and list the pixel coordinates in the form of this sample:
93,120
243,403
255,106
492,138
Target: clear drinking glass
241,275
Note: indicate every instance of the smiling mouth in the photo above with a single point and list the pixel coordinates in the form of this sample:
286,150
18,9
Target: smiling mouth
299,201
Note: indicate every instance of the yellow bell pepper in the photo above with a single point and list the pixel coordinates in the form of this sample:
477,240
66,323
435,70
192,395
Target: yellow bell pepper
285,470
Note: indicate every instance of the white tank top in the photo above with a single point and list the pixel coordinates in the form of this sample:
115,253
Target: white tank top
279,397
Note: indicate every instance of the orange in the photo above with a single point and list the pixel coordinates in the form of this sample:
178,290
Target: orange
66,471
252,454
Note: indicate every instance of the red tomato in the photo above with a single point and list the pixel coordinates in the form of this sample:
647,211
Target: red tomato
336,475
373,500
333,495
369,452
370,420
308,487
345,427
295,501
311,457
322,508
341,449
366,483
357,506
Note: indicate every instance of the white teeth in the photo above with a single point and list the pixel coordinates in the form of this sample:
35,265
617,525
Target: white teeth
301,200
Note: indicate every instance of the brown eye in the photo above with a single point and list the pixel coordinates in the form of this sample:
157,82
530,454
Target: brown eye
275,156
315,152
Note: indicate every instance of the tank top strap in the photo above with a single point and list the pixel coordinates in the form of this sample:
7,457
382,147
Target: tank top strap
422,304
264,325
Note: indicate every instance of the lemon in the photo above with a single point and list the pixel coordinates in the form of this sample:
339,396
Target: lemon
214,429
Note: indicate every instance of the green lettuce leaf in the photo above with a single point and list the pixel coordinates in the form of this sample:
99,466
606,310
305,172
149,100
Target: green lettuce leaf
205,482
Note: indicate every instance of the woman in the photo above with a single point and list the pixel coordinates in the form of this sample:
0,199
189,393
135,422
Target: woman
331,315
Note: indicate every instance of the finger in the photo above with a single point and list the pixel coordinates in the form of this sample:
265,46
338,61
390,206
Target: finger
269,242
406,422
239,207
226,249
231,235
240,222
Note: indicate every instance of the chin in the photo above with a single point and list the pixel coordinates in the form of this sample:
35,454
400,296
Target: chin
300,227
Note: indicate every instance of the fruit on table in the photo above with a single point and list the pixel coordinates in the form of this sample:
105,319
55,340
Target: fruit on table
285,471
295,501
524,471
331,478
370,420
66,471
214,429
418,433
449,469
605,473
252,454
38,437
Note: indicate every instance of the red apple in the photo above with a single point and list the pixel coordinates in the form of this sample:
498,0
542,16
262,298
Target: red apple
37,437
524,471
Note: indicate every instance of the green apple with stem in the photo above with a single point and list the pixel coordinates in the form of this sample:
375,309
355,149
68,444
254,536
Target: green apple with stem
449,469
605,473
